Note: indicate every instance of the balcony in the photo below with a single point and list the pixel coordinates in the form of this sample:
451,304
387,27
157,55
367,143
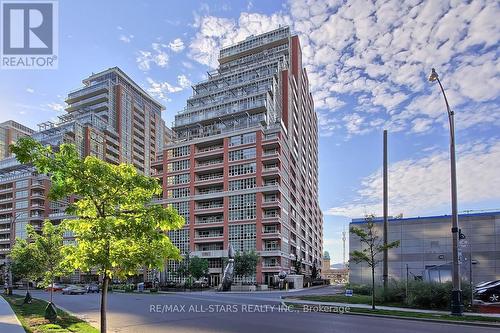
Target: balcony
209,177
210,254
89,91
209,219
207,165
209,206
5,240
37,184
209,150
270,202
88,102
210,190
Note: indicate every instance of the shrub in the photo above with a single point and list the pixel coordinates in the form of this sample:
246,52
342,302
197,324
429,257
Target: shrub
359,289
395,293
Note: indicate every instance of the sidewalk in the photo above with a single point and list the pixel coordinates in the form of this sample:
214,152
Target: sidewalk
8,320
381,307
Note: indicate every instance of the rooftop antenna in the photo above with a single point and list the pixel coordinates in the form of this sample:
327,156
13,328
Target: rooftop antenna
343,247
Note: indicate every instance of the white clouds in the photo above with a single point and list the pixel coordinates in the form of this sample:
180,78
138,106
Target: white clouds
177,45
30,90
383,51
58,107
126,38
216,32
158,56
183,81
162,90
420,185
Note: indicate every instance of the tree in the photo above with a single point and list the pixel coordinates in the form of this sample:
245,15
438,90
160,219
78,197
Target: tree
25,263
297,265
245,263
314,271
371,247
48,250
117,229
198,267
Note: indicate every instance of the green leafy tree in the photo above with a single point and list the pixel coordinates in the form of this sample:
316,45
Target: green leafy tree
25,263
117,229
371,246
198,267
297,265
314,271
48,249
245,263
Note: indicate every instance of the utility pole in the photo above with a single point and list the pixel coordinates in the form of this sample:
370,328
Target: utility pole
386,268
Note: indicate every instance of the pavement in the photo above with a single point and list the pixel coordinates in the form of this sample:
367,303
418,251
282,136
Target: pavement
8,320
210,312
390,308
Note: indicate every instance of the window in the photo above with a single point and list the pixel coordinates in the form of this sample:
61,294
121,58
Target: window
178,192
242,237
22,183
21,194
21,204
182,209
178,165
242,139
242,184
242,169
242,154
178,179
178,152
180,238
242,207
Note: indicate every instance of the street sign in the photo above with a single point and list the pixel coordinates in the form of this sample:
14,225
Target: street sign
348,292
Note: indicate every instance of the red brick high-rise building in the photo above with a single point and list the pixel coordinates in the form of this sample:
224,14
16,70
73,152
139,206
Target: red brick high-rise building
243,168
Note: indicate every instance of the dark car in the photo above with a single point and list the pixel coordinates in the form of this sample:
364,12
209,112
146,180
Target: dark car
488,294
486,284
92,288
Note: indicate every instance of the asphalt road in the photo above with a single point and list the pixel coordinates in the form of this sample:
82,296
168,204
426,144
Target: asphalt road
209,312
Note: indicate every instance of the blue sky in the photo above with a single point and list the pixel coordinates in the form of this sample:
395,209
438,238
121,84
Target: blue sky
367,64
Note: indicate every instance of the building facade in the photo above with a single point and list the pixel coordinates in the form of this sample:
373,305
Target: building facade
110,117
10,131
334,275
243,166
425,249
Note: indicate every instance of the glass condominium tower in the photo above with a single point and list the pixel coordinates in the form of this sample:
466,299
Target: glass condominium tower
243,166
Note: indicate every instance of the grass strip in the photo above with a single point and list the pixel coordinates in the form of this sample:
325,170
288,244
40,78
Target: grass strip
32,318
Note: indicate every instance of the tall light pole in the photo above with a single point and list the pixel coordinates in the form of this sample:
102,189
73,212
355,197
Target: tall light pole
456,297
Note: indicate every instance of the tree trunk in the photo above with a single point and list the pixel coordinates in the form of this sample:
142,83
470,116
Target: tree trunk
373,287
51,288
104,302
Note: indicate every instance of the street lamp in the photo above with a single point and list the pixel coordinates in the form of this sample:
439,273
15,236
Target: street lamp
456,296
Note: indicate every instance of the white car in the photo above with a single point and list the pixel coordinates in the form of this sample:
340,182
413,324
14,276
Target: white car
74,290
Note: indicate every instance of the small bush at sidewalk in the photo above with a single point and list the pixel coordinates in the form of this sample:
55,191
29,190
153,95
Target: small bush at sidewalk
421,294
360,289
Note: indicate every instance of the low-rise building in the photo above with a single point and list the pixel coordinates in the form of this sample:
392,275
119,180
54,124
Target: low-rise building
425,251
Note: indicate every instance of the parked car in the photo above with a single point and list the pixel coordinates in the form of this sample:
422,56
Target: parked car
170,284
54,287
74,290
92,288
488,294
202,283
486,284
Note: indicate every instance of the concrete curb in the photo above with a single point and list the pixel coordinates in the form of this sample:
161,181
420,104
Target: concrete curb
442,321
10,317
